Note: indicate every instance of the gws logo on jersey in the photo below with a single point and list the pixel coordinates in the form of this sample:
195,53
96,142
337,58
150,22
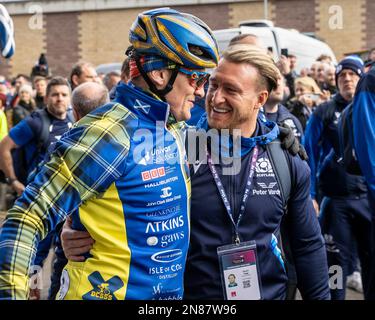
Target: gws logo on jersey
144,107
167,256
103,290
153,174
263,168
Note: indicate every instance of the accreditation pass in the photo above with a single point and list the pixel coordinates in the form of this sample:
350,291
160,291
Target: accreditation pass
239,271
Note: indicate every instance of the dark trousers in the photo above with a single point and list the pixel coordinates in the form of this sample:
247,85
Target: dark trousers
345,221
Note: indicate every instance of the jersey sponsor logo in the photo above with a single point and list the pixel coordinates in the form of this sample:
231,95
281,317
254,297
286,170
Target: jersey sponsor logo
164,201
166,239
167,256
160,183
103,290
161,294
164,212
266,189
264,185
166,192
152,241
167,225
160,155
165,270
64,285
153,174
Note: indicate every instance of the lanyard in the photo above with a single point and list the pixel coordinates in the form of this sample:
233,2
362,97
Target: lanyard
223,195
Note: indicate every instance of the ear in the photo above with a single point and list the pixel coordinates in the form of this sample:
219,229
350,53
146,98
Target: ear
76,114
74,80
262,99
160,77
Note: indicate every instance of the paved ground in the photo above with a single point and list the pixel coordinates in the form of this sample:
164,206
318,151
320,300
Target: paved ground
350,295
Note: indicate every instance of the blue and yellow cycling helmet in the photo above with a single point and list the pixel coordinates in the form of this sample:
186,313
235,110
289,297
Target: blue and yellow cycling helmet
7,45
179,37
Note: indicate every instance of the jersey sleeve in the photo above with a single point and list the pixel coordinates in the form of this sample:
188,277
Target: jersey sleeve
22,133
364,127
84,164
307,243
313,149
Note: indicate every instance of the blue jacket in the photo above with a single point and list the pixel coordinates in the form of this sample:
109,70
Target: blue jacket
211,226
364,128
321,135
283,116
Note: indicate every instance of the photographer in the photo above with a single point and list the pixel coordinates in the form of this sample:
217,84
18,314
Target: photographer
307,97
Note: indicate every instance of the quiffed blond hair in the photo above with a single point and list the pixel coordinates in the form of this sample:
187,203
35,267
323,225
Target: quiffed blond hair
309,83
268,72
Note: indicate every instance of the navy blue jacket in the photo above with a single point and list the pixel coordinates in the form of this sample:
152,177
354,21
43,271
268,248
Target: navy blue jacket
211,227
364,128
283,116
321,136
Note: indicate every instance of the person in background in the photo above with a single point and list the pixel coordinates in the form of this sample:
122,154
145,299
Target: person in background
111,79
40,86
83,72
276,112
321,134
3,119
26,136
330,80
19,81
307,96
26,105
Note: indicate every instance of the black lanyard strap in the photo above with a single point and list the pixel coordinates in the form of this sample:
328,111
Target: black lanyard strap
246,194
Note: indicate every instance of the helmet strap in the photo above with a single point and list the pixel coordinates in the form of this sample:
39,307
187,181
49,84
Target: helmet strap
160,93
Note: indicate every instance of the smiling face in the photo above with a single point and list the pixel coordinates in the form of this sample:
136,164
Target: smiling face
182,97
234,97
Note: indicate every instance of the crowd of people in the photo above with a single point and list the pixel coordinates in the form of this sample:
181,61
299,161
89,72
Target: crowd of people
96,165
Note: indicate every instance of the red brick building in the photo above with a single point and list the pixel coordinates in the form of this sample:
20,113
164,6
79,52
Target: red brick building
97,31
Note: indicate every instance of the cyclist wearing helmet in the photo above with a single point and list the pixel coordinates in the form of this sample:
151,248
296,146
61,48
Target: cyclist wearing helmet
121,174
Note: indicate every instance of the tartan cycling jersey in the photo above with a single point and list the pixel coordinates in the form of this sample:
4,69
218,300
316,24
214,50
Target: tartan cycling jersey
125,180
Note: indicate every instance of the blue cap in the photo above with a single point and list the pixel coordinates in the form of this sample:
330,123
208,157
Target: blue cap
353,63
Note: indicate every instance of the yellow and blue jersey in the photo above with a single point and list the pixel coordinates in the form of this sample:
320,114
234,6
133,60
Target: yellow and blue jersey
121,173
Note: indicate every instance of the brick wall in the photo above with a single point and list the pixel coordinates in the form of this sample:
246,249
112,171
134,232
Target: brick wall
30,43
216,16
104,36
249,10
370,24
5,67
62,42
295,14
351,37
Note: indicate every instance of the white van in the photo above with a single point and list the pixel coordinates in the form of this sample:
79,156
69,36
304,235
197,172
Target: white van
304,47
